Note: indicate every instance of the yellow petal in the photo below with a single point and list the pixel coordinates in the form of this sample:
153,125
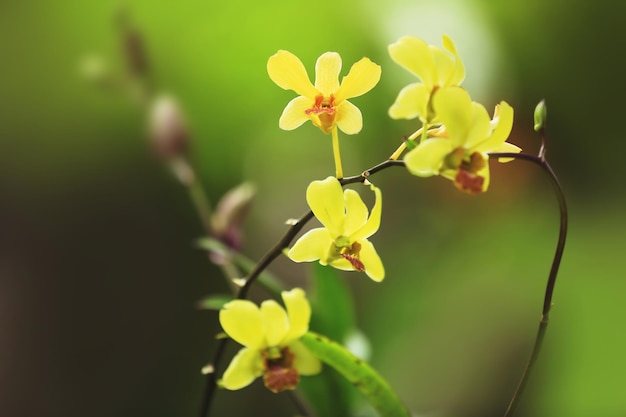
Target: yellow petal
275,322
294,114
373,222
412,102
453,107
444,65
243,322
299,313
480,127
326,200
342,264
349,118
356,212
304,361
327,70
414,55
428,157
286,70
484,172
501,131
243,369
313,245
458,74
371,261
508,148
363,76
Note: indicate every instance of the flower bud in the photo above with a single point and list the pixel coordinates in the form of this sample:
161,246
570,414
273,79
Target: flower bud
230,214
167,130
541,112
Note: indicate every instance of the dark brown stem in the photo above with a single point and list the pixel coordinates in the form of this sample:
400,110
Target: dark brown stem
268,258
554,269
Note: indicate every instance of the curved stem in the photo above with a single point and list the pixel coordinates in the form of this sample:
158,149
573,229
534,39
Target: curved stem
268,258
554,269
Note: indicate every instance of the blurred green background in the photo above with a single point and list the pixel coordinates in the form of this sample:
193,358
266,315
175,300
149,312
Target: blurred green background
98,276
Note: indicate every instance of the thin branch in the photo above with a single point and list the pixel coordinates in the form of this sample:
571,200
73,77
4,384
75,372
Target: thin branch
554,269
268,258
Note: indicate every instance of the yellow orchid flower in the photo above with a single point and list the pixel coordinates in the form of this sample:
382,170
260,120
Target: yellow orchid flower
270,336
460,150
342,242
433,66
325,103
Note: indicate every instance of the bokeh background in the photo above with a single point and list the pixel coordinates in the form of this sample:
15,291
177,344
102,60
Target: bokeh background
98,273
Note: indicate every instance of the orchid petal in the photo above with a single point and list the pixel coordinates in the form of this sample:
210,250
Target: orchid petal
304,361
501,131
356,212
453,107
243,322
363,76
373,222
313,245
299,313
371,261
327,70
286,70
276,322
457,76
294,114
342,264
415,56
444,65
480,127
244,368
327,203
428,157
506,147
412,102
349,118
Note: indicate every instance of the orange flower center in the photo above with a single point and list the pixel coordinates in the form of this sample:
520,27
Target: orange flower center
351,254
322,113
467,178
280,375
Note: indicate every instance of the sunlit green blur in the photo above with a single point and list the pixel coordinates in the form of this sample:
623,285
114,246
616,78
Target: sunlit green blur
98,274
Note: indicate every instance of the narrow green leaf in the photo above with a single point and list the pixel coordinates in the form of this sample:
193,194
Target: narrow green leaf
214,302
359,373
266,279
329,393
331,304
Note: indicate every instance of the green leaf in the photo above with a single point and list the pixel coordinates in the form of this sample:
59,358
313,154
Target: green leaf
331,304
359,373
214,302
332,313
266,279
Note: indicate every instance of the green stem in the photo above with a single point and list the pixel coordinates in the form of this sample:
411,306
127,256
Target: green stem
201,203
336,154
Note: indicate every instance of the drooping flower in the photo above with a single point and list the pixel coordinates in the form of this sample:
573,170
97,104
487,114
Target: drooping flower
435,68
460,150
342,242
325,103
270,336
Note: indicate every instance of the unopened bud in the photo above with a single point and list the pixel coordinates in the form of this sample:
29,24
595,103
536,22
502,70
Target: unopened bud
541,112
167,129
230,213
132,45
